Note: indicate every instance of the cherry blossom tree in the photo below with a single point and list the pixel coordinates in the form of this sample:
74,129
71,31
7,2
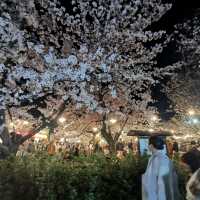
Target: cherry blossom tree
97,55
184,90
183,93
189,42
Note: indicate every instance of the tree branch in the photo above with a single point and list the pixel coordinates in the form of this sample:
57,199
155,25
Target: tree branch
122,128
52,120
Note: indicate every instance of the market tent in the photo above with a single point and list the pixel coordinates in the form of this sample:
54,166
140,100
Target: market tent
148,133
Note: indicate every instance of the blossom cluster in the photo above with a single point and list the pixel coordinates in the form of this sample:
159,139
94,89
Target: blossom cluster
99,54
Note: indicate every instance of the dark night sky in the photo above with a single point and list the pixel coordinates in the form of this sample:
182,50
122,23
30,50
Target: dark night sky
181,11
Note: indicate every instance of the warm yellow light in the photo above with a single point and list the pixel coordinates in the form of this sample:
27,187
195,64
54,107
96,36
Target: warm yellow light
26,123
177,137
95,129
12,124
1,141
98,136
62,120
154,118
172,131
187,136
191,112
102,141
41,136
151,130
113,121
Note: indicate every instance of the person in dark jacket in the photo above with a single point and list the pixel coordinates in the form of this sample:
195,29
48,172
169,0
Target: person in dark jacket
192,160
120,146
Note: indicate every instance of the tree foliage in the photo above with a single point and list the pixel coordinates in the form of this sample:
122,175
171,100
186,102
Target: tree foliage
97,55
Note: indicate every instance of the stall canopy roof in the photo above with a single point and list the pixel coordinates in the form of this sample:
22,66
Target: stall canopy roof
148,133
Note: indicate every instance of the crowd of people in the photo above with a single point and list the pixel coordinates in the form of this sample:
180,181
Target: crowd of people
66,149
55,148
159,181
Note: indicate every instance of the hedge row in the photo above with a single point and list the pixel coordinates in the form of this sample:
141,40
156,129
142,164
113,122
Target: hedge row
40,177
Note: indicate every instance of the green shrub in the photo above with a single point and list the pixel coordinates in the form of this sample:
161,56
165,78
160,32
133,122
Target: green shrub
97,177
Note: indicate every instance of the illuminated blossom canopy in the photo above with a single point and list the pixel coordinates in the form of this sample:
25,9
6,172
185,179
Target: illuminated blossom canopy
99,55
98,46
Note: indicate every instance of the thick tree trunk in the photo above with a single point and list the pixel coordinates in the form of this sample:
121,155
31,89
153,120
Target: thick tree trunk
107,135
10,142
112,146
4,135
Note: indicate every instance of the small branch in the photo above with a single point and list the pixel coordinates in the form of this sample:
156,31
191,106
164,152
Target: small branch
85,129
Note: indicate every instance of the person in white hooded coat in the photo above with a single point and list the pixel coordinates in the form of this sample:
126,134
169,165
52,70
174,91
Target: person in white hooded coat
159,182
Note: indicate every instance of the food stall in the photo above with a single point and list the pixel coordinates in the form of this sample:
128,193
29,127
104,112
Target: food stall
142,137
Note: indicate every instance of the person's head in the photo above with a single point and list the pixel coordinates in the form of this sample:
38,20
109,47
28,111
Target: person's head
192,160
156,143
12,133
193,144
